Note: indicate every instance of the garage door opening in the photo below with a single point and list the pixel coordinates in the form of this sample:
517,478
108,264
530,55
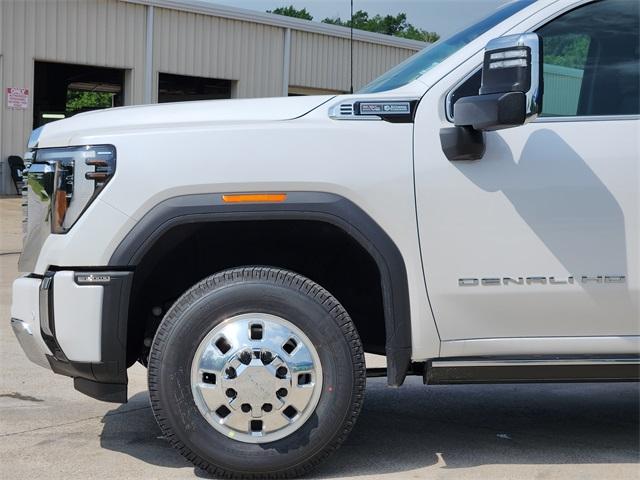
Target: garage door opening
61,90
183,88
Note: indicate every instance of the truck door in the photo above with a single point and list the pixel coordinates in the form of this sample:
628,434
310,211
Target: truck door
539,238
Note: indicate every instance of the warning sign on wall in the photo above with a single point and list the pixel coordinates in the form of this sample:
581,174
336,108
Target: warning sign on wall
18,98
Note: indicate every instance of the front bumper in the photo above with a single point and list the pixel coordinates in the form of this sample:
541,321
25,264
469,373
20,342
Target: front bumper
29,343
75,323
25,319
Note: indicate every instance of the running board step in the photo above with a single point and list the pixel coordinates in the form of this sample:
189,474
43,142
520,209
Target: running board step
532,370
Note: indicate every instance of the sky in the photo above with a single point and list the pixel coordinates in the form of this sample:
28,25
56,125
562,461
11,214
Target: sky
442,16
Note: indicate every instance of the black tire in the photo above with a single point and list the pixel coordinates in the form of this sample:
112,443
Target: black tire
278,292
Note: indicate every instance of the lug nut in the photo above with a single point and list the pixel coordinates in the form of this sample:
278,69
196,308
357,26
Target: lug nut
231,372
281,372
231,393
266,357
267,407
245,357
282,392
245,407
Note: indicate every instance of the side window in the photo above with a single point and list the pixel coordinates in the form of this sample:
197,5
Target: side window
565,58
591,60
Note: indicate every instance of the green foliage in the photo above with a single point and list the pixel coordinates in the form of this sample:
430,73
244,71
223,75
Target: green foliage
82,100
290,11
566,50
389,25
415,33
37,188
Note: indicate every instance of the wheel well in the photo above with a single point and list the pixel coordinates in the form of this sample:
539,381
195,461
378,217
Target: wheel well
185,254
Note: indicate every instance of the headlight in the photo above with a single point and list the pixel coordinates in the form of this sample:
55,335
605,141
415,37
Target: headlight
70,178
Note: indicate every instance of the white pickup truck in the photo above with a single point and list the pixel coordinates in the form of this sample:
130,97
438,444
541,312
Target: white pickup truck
453,215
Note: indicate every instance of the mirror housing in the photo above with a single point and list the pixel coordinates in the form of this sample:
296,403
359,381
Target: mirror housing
511,91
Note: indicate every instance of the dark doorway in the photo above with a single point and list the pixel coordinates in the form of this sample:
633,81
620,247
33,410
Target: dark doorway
182,88
61,90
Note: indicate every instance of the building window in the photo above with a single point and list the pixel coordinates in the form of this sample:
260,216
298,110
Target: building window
183,88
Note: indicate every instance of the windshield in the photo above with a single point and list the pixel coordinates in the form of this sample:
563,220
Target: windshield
428,58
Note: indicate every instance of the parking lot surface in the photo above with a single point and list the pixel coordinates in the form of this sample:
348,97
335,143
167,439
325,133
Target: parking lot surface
575,431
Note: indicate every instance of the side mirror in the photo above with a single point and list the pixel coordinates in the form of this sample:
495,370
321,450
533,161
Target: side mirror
511,90
510,95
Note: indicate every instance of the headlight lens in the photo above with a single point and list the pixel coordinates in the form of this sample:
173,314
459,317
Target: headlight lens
79,174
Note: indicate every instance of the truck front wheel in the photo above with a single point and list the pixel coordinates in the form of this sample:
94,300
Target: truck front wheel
256,372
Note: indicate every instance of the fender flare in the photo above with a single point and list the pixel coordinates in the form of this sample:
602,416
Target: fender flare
317,206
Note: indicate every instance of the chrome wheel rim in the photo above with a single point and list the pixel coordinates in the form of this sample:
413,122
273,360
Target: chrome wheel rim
256,378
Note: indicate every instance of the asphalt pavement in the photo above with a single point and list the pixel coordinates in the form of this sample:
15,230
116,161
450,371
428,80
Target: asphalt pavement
572,431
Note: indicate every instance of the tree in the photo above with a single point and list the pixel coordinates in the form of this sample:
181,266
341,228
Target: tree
389,25
78,100
290,11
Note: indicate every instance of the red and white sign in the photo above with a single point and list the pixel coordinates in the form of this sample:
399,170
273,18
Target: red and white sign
18,98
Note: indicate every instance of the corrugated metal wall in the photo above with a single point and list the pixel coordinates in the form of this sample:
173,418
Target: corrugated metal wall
330,56
193,44
91,32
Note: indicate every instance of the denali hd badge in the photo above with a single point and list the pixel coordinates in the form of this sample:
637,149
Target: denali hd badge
92,279
385,108
496,281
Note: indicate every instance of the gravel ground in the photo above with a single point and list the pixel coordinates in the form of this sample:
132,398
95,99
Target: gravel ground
574,431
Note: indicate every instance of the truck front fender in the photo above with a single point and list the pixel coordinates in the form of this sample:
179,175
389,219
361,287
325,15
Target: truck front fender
316,206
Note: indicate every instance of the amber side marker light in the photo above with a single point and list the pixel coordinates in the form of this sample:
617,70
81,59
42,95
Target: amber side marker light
254,197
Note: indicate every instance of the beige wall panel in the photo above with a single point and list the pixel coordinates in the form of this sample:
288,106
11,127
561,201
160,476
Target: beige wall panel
193,44
321,61
105,33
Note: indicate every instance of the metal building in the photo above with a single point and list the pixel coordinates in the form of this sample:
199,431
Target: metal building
142,51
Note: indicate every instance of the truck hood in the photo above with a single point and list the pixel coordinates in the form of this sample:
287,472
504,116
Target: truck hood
63,132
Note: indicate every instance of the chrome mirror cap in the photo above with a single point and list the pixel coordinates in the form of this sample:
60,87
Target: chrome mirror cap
513,63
